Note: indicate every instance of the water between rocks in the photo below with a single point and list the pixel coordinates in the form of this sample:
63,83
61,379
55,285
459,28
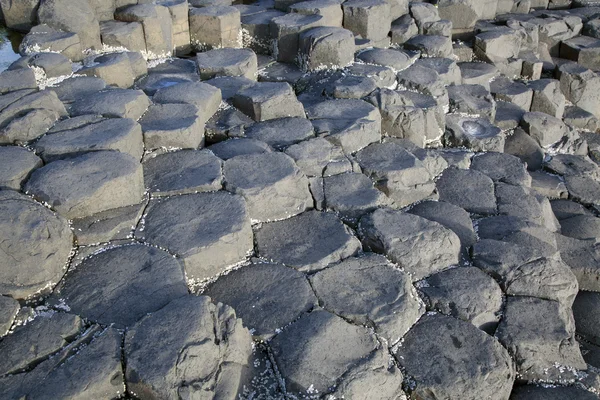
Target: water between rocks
9,47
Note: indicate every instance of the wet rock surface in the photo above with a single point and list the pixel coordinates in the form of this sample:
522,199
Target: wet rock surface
204,199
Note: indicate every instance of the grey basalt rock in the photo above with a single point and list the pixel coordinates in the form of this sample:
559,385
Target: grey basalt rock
584,262
420,246
64,141
17,165
36,242
477,73
580,86
129,35
370,19
181,172
114,224
326,47
540,336
425,81
514,92
383,76
430,45
89,183
308,242
369,291
477,134
473,100
547,97
395,59
114,103
149,279
54,65
351,195
157,27
449,358
331,10
272,184
526,148
524,203
202,343
533,392
208,231
205,97
285,32
172,126
114,68
72,16
9,308
48,39
314,155
77,87
446,68
214,26
587,316
502,167
238,147
583,189
227,62
572,165
353,87
583,227
17,79
299,351
545,129
281,132
268,100
469,189
423,13
403,29
20,16
266,296
230,85
466,293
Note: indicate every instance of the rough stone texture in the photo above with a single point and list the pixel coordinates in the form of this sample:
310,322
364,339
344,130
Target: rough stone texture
205,97
114,224
239,147
314,155
545,129
351,195
587,316
89,183
420,246
326,47
268,100
227,62
129,35
281,132
474,100
172,126
18,79
547,97
36,243
550,393
469,189
370,291
157,26
214,26
502,168
266,296
209,231
115,103
72,16
17,165
477,134
285,31
9,307
181,172
200,342
318,349
449,358
370,19
526,321
149,279
307,242
20,16
523,146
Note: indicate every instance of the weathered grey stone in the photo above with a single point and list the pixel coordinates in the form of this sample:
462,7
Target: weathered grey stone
114,224
370,291
513,92
285,31
299,349
581,87
179,11
282,132
474,100
89,183
9,308
349,123
548,185
469,189
564,209
392,58
583,50
403,29
172,126
156,81
88,367
544,128
149,279
547,97
227,62
370,19
53,64
531,392
202,342
526,148
120,134
227,123
266,296
114,103
442,27
17,164
207,98
425,81
181,172
450,216
453,359
77,87
465,293
256,26
526,321
581,119
572,165
307,242
239,147
268,100
351,195
477,73
587,317
420,246
312,156
524,203
583,189
423,13
209,231
502,168
584,227
326,47
230,85
17,79
114,68
430,45
30,344
446,68
129,35
20,16
353,87
72,16
37,110
497,45
272,184
37,244
214,27
508,115
157,26
44,38
330,10
477,134
583,259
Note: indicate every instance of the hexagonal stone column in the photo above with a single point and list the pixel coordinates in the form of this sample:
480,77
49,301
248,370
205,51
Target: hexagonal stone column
285,31
209,231
227,62
157,24
272,184
268,100
17,164
326,47
214,27
89,184
36,243
172,126
369,19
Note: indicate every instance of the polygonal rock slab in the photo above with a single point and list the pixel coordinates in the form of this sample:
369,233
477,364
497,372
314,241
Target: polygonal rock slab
326,47
351,195
370,291
465,293
281,132
89,184
17,164
268,100
540,335
312,156
420,246
227,62
586,311
105,226
266,296
585,264
184,171
239,147
209,231
502,168
215,26
36,244
468,189
8,311
113,103
190,340
544,128
474,133
205,97
449,358
121,285
307,242
533,392
315,351
172,126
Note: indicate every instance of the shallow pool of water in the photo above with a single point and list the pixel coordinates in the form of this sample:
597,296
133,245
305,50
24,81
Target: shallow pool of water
9,47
